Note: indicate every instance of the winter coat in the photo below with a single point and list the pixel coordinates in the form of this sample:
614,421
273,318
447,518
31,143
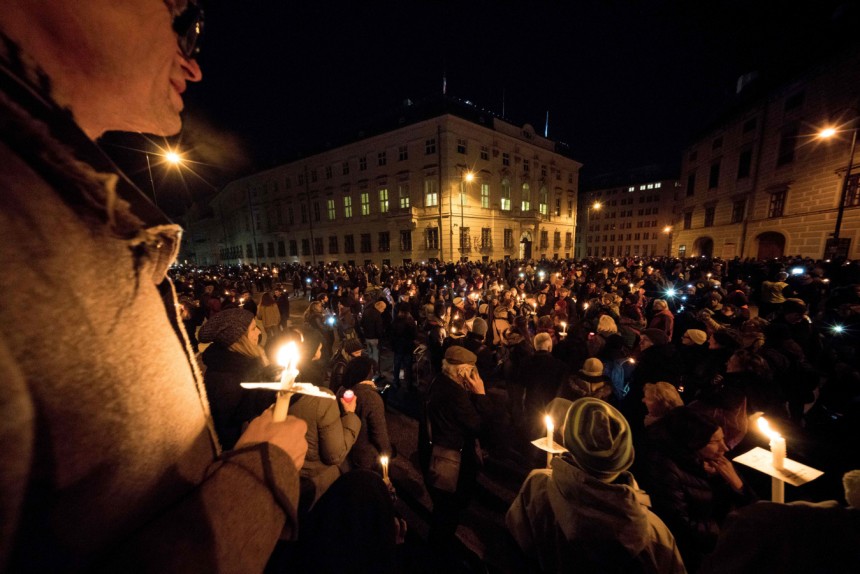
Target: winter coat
110,457
567,521
404,332
577,388
372,440
330,437
542,375
664,320
269,315
372,326
231,405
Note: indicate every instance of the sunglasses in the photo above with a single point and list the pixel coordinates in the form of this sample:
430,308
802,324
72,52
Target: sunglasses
189,29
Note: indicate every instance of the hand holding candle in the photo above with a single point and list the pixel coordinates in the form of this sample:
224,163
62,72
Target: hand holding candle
288,357
550,428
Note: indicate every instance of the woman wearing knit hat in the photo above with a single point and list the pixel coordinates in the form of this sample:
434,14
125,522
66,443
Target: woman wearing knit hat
693,485
233,357
588,513
589,381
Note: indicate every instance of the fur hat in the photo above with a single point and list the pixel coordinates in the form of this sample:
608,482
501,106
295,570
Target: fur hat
457,355
226,327
598,438
592,370
696,336
479,326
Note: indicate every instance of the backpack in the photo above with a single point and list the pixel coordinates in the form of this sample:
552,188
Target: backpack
617,373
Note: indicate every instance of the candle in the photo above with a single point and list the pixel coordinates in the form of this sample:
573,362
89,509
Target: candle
349,396
383,460
777,443
550,427
288,357
564,327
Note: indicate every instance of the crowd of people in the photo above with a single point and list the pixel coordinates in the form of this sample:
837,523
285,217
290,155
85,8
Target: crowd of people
128,446
673,357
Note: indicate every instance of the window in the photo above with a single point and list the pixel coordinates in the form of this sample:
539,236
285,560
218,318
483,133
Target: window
402,153
430,146
294,248
568,240
270,251
558,207
506,158
852,191
777,204
506,195
744,163
328,172
287,183
527,198
688,220
486,237
691,183
347,207
383,200
431,193
362,163
544,239
509,238
380,158
485,195
349,243
306,246
714,175
570,208
384,241
406,240
317,214
365,203
485,152
556,239
304,213
332,244
290,215
526,166
465,241
787,145
300,178
282,249
682,251
313,175
332,212
365,243
344,168
318,245
739,208
709,216
403,194
543,201
461,145
432,237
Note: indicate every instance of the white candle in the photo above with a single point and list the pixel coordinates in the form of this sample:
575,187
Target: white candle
564,327
550,427
777,443
383,460
288,357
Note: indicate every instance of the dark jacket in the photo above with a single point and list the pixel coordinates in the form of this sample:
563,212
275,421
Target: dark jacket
231,405
486,358
372,440
372,326
542,375
284,307
404,332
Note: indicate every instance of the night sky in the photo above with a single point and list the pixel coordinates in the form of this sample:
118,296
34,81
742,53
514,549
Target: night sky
626,83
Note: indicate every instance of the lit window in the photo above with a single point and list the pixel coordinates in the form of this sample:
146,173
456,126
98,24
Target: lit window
383,200
657,185
365,203
506,195
431,193
347,207
485,195
543,201
403,193
527,198
332,213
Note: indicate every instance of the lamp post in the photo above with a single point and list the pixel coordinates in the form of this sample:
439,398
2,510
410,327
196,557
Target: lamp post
668,231
832,245
596,207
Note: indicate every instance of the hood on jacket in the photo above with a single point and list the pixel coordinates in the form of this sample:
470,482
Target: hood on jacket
590,509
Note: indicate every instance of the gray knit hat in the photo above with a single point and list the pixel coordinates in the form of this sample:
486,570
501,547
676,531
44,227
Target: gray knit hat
226,327
599,438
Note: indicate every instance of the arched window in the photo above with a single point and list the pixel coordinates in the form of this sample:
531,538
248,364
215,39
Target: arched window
544,198
527,198
506,195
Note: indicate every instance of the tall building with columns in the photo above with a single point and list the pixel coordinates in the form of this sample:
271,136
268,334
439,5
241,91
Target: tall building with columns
441,179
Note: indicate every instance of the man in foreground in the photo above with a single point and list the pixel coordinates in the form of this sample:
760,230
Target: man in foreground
110,460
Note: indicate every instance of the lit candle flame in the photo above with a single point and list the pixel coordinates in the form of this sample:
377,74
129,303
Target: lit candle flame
764,427
550,426
288,356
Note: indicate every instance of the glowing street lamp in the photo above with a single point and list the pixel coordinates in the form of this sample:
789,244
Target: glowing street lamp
668,231
596,207
468,177
828,133
170,156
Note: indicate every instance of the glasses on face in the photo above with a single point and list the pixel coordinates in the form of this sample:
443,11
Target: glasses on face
189,28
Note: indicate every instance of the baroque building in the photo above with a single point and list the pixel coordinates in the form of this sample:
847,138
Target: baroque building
438,180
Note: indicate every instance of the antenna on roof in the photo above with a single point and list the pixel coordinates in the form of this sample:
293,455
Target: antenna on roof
503,102
546,127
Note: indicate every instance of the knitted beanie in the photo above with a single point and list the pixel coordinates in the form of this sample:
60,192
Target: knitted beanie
226,327
599,438
479,326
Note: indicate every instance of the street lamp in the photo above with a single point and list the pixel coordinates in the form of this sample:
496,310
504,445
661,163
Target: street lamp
468,177
596,207
832,246
170,156
668,231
